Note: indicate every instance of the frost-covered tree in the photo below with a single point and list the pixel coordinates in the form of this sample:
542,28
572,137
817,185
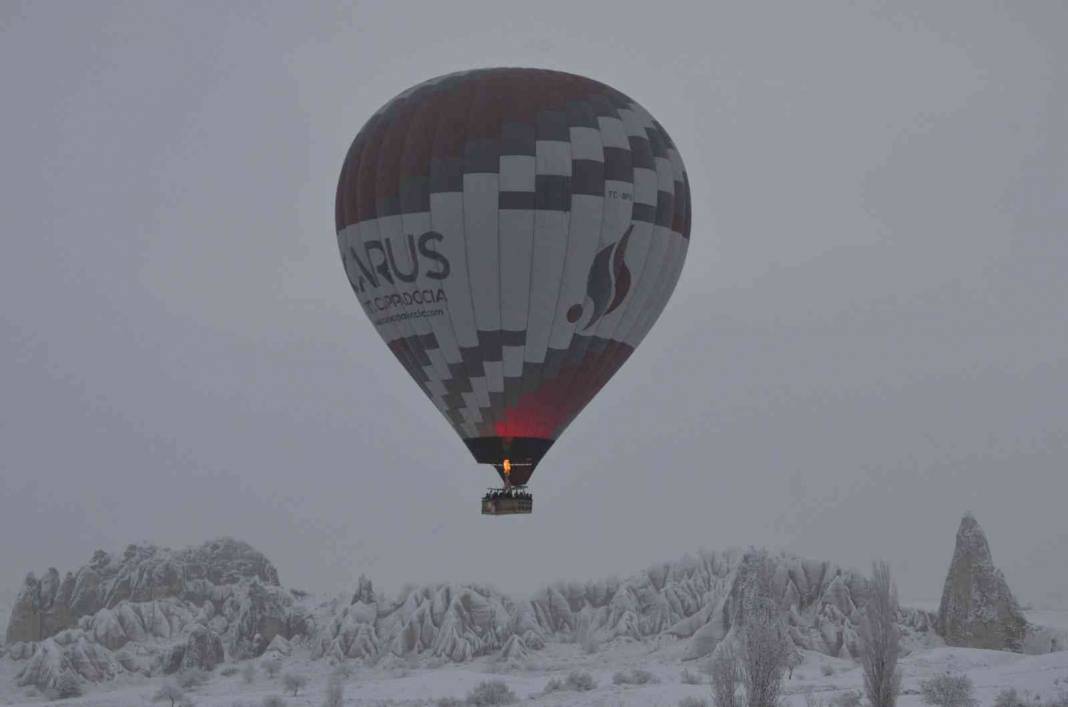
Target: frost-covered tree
948,691
764,644
294,682
764,655
169,692
725,676
880,639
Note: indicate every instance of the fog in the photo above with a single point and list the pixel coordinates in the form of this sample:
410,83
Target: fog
870,335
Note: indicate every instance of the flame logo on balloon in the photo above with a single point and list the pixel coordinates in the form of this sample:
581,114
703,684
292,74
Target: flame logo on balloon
607,284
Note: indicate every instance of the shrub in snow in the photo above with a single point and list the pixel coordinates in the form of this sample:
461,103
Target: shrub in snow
271,666
344,670
1010,698
68,685
248,673
690,678
229,671
692,702
634,676
449,702
586,637
169,692
576,681
273,701
849,698
827,669
948,691
294,682
590,644
192,678
580,681
554,685
491,692
1060,701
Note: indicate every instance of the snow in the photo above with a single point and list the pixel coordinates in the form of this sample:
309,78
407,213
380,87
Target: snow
414,683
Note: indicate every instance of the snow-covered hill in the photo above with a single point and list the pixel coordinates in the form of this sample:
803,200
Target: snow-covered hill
819,680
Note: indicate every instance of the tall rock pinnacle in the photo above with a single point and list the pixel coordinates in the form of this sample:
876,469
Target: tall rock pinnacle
978,610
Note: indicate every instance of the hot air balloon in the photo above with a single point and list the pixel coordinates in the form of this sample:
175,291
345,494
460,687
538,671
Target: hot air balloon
513,234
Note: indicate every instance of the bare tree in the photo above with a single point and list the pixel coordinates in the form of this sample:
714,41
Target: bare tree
169,692
724,674
765,645
880,639
294,682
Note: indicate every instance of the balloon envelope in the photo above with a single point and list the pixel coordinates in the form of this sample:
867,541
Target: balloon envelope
512,234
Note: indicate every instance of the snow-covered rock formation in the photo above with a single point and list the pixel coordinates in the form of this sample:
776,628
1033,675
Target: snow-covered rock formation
153,610
696,599
455,622
157,611
978,610
141,574
150,610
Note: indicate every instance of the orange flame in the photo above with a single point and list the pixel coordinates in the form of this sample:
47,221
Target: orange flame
507,467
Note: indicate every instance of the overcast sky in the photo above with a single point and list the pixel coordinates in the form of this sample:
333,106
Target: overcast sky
870,335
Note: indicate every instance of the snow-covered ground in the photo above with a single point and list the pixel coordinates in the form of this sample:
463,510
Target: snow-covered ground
1044,676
